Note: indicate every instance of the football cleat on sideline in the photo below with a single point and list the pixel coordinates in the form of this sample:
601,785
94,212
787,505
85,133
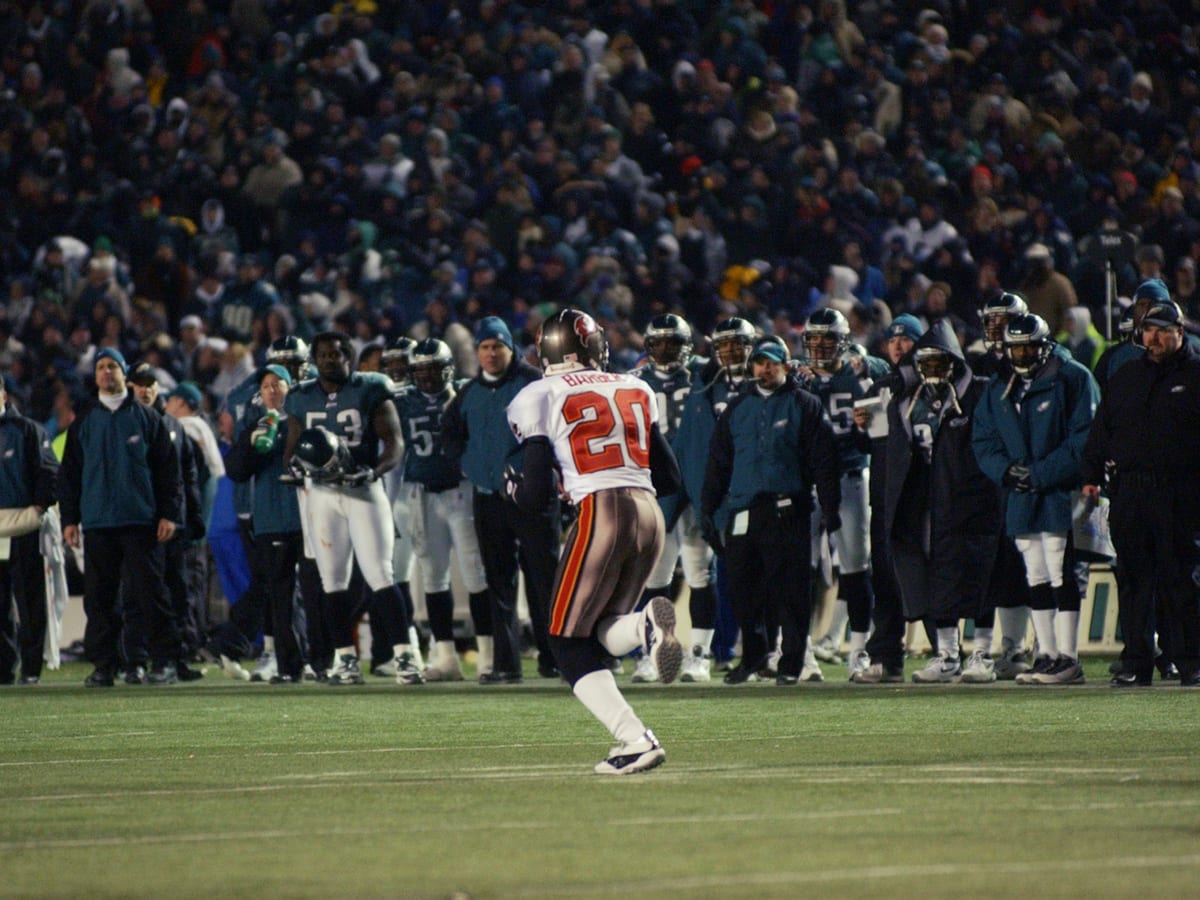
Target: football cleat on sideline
1041,665
1065,670
826,650
941,669
697,668
646,672
878,673
858,661
346,671
267,667
642,755
407,670
1011,663
980,669
660,645
233,669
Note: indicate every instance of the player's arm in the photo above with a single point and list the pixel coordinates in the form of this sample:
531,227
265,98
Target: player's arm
537,484
664,467
387,425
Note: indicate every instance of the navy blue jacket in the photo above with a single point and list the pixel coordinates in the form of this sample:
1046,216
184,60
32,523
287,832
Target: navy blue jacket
476,439
276,508
766,446
28,467
707,398
1047,434
119,469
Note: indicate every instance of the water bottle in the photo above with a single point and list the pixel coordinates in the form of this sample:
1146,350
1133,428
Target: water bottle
268,428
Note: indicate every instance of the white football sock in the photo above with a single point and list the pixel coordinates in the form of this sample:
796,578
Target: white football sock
345,651
983,640
621,634
702,638
1066,625
1014,622
1043,628
598,691
858,640
268,644
948,642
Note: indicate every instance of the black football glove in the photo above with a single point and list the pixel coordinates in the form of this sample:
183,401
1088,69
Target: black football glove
1016,478
358,477
512,483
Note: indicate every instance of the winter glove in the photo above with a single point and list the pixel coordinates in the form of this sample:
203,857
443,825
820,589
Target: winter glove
1016,478
512,483
358,477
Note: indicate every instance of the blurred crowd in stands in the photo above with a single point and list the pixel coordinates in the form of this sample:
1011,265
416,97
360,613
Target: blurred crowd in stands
188,181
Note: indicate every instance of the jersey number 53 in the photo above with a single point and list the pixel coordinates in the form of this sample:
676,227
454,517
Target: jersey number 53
608,433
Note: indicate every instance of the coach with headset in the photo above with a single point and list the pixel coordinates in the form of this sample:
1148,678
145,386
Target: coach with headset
1147,429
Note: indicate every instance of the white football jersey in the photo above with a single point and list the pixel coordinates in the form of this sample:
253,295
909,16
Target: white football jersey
598,423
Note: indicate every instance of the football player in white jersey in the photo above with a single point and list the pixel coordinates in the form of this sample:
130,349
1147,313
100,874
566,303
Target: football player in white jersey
599,430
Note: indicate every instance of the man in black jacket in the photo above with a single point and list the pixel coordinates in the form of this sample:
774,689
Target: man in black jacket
477,441
1147,429
189,612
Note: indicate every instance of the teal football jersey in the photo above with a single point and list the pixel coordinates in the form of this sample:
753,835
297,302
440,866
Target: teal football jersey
348,412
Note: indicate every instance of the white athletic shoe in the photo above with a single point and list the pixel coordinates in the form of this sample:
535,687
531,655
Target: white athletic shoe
826,650
646,672
980,668
770,668
697,668
447,667
233,669
267,668
385,669
346,671
877,673
858,661
811,672
309,674
941,669
659,644
407,671
642,755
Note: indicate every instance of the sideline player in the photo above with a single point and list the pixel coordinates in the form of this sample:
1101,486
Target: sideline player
441,511
350,514
670,370
834,380
598,429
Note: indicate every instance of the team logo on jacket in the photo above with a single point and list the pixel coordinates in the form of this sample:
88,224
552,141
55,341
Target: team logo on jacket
1043,406
8,454
134,439
782,423
1179,389
958,422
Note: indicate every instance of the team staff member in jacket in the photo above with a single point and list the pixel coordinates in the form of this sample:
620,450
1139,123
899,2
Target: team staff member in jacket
28,469
772,444
941,512
1148,428
120,485
885,647
188,616
257,456
477,441
1029,433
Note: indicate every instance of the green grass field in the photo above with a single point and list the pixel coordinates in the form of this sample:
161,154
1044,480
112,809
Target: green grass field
224,789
